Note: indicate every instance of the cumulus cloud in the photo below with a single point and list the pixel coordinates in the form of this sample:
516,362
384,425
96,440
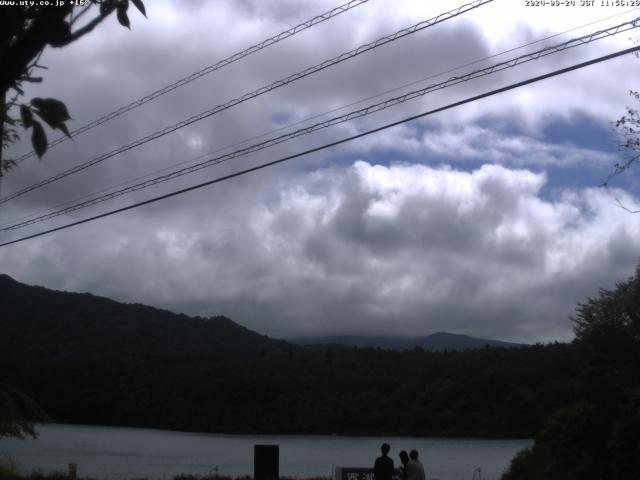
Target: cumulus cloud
402,249
331,244
472,142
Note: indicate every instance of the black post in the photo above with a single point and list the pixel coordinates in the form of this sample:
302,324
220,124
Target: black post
266,462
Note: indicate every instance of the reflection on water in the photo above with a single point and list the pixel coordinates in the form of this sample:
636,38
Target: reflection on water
106,452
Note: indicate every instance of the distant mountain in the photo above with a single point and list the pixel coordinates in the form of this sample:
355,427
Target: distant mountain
436,342
36,322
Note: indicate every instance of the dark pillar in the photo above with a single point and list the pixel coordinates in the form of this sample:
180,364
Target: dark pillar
73,471
266,462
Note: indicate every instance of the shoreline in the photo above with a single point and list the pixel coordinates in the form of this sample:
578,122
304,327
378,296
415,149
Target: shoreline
286,435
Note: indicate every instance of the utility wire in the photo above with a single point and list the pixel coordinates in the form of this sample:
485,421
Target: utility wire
262,90
337,120
205,71
312,117
307,119
333,144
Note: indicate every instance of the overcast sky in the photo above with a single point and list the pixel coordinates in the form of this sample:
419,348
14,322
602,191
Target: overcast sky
486,219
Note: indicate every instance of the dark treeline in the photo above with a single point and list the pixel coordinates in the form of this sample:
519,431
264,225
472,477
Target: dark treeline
490,392
88,359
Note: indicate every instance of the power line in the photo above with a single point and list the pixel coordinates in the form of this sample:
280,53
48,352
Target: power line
336,120
334,12
333,144
312,117
262,90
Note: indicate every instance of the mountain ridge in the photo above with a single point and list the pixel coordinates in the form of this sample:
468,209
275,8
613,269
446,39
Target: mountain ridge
63,324
435,342
100,324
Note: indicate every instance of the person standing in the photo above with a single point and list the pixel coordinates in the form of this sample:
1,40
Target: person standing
383,468
404,459
414,468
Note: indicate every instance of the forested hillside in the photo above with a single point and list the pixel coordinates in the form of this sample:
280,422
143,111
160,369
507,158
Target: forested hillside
491,392
37,322
90,360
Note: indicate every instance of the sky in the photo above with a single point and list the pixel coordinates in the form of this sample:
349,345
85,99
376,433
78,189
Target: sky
487,219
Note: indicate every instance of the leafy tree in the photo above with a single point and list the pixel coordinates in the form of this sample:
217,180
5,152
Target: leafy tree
598,437
628,127
25,31
625,440
18,413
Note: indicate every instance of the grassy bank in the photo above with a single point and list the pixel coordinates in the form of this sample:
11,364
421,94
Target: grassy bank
9,471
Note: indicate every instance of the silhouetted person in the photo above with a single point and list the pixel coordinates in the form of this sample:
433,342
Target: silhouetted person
404,459
414,468
383,468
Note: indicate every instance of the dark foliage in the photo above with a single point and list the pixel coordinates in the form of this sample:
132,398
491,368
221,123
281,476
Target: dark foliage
629,129
61,326
26,29
92,360
18,413
599,437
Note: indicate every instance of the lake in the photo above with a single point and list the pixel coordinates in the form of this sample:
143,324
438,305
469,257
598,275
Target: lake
116,453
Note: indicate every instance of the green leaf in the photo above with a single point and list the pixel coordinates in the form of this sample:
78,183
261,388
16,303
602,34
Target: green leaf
106,7
140,6
59,33
39,139
27,116
122,15
7,165
52,111
64,129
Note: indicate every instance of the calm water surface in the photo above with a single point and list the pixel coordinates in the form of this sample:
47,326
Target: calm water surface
106,452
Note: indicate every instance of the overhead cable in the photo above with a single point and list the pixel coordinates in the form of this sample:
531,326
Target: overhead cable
332,144
335,121
262,90
313,117
334,12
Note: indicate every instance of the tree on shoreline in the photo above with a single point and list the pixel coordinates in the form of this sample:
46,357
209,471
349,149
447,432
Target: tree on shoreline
18,413
598,437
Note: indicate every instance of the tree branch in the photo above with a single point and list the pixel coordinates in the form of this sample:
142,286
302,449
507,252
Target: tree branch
625,208
619,168
17,58
75,18
30,79
87,28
